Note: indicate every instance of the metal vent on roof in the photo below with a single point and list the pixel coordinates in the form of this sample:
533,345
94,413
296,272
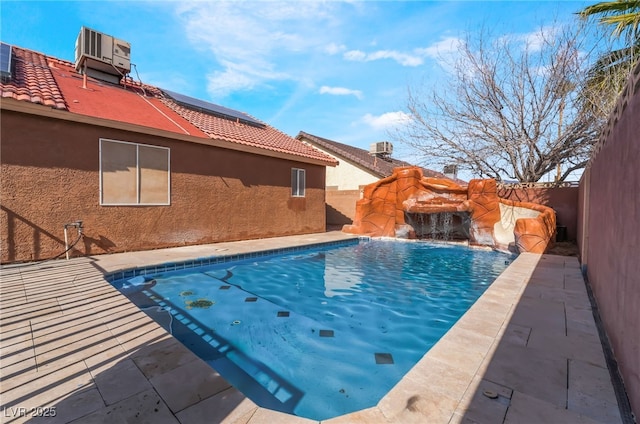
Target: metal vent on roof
102,56
381,148
450,171
213,109
5,62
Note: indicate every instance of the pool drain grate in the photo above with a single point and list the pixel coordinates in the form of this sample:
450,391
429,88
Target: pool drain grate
326,333
383,358
283,313
251,299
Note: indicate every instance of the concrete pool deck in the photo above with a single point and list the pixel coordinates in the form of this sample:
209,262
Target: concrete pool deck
528,351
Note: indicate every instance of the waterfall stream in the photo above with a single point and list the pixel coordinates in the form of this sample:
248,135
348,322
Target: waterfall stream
440,225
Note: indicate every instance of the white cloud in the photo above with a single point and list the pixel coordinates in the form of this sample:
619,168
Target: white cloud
534,41
340,91
441,51
222,82
386,120
355,55
444,51
445,46
333,48
403,59
241,76
253,43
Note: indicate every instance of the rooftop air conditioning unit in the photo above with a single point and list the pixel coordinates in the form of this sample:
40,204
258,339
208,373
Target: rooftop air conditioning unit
381,148
451,171
102,56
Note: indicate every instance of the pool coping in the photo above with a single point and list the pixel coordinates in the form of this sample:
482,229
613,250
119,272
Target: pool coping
154,269
449,384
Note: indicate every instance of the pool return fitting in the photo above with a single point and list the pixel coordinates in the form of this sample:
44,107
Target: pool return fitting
77,225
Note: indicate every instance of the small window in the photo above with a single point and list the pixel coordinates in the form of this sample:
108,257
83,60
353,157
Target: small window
297,182
133,174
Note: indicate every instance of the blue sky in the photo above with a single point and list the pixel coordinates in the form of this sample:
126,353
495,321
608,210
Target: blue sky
339,70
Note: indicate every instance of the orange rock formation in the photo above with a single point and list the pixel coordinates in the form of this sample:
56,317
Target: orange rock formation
499,223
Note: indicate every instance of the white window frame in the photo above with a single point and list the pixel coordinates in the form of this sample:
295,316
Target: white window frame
138,202
298,185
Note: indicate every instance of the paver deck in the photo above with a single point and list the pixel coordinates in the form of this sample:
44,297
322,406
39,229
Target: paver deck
528,351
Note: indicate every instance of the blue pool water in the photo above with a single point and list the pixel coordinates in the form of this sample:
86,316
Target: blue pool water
322,332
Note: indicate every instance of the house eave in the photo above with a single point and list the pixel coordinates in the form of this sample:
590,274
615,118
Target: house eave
20,106
342,158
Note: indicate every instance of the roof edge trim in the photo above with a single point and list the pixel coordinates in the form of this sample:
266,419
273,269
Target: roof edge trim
14,105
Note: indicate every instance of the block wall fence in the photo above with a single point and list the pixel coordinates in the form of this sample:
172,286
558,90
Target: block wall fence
608,233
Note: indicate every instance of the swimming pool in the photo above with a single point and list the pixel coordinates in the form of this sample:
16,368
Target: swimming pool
320,332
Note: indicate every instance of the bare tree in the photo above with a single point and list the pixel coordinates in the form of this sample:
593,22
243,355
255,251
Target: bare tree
511,109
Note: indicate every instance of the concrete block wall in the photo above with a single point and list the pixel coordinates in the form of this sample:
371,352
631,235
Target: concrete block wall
609,233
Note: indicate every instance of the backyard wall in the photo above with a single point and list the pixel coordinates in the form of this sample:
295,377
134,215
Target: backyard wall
341,206
50,176
609,233
564,200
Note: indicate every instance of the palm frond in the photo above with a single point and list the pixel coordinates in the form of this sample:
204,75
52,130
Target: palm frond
623,14
609,7
628,22
625,55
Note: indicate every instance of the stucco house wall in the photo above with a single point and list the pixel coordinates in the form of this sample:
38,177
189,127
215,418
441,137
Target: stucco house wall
609,233
49,176
347,176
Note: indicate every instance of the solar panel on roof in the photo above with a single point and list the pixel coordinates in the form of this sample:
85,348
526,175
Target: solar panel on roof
214,109
5,61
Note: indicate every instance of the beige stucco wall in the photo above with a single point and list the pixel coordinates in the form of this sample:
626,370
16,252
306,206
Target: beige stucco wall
347,176
344,188
609,235
49,176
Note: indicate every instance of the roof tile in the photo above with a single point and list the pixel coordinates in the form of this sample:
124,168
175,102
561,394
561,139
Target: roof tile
266,137
382,167
32,80
53,82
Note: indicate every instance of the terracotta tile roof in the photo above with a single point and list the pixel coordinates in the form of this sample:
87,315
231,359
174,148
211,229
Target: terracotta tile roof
265,137
53,82
32,80
382,167
108,101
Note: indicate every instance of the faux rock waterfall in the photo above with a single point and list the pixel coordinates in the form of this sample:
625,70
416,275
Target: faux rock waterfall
409,205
